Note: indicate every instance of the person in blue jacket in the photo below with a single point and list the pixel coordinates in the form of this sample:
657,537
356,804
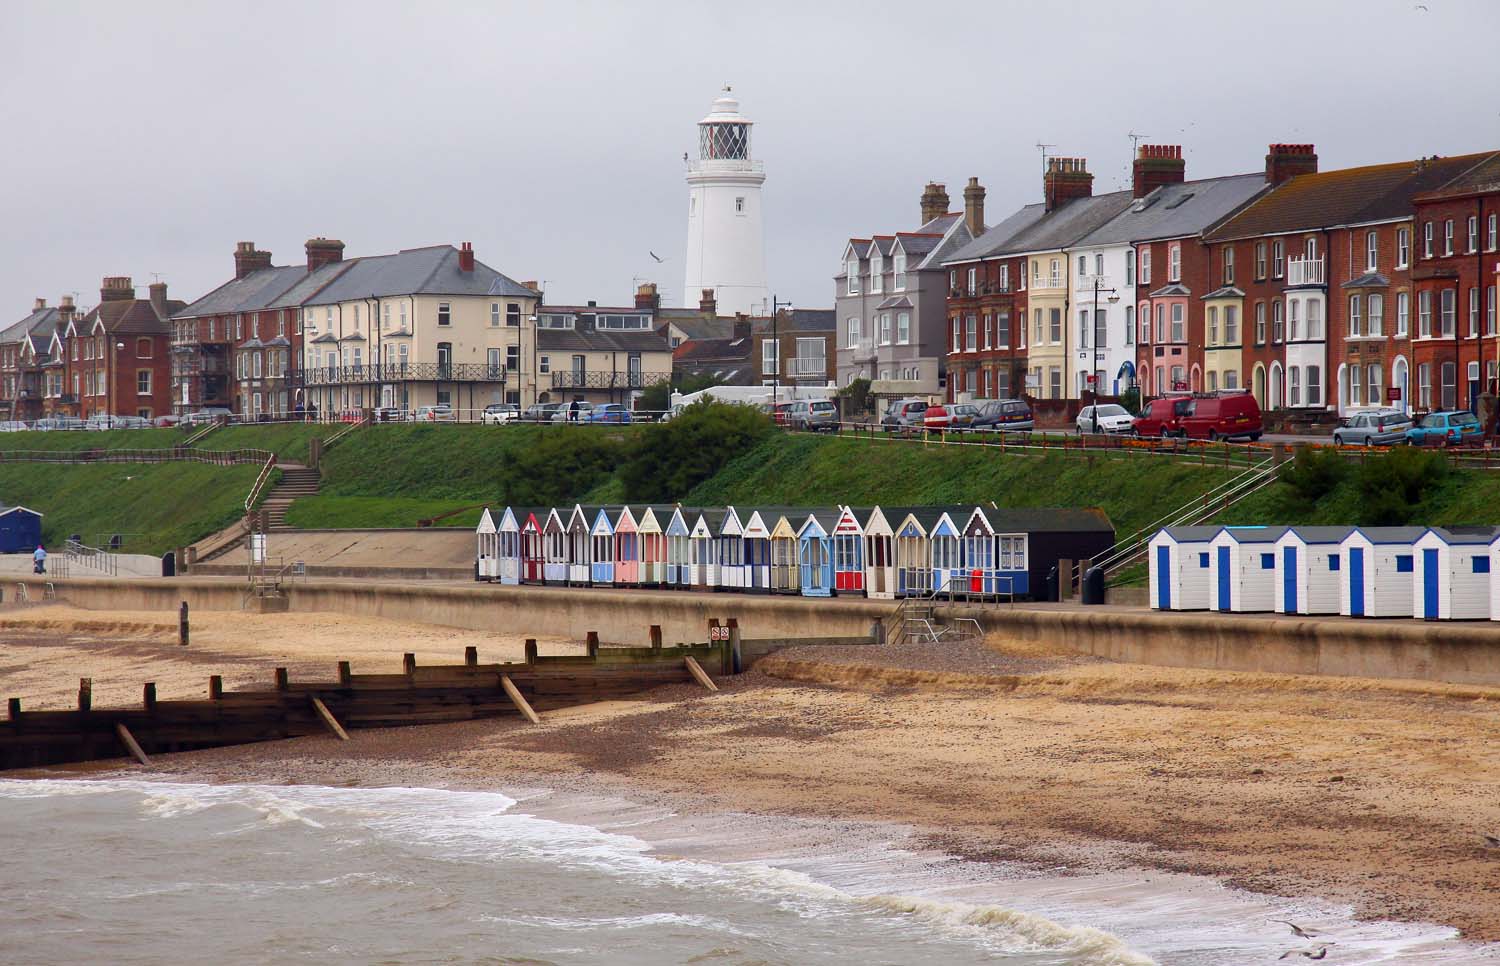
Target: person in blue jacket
39,559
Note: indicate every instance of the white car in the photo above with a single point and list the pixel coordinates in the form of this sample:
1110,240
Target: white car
497,414
1112,419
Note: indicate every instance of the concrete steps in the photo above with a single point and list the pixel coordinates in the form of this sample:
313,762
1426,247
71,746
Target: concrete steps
296,482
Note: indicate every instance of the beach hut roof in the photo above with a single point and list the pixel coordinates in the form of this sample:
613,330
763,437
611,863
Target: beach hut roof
677,525
1396,535
20,509
1189,534
508,521
876,522
602,526
783,527
1052,519
731,526
1311,535
554,521
1463,535
755,527
1253,534
848,522
486,522
647,521
625,520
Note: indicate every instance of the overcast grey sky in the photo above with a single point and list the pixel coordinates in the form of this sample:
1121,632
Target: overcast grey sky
149,137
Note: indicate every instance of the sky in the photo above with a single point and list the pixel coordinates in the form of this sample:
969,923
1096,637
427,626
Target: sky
147,138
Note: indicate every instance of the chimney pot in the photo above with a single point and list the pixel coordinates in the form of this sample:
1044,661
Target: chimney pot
38,305
247,259
934,201
466,257
1156,165
1066,179
646,297
1286,161
974,207
323,251
116,288
707,304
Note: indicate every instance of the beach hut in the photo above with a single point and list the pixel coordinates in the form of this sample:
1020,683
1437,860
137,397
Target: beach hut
705,567
487,548
1244,571
508,536
579,543
555,540
20,530
533,551
947,560
1030,542
1311,570
786,578
729,551
848,553
880,561
679,551
977,555
1178,559
653,571
1452,574
757,539
1379,567
602,549
815,553
914,554
627,549
1495,577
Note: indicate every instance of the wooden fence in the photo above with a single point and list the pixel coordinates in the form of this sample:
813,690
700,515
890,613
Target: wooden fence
418,695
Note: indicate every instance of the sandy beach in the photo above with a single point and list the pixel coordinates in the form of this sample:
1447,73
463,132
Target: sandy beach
1372,793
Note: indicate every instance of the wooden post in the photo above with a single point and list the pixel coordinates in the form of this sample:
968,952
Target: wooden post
408,664
517,699
215,687
1064,579
85,693
281,679
530,650
13,709
471,656
329,719
700,675
128,740
732,648
148,696
182,624
346,676
592,644
655,637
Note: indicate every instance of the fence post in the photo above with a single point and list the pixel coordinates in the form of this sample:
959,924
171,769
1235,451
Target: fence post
148,696
408,664
85,693
182,624
530,650
655,637
471,656
215,687
591,644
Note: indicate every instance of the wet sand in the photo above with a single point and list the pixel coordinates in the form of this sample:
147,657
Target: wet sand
1372,793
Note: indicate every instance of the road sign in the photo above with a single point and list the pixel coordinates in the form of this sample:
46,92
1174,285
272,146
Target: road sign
1392,393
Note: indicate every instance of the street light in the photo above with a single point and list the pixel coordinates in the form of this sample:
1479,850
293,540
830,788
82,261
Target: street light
1114,296
776,304
109,407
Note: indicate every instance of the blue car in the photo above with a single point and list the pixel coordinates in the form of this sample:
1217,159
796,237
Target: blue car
1452,428
609,413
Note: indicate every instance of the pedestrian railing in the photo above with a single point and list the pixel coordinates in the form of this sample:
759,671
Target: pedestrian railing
92,557
228,457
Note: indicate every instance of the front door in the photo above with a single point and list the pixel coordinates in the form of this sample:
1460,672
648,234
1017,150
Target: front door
1289,580
1429,585
1224,579
1164,578
1357,581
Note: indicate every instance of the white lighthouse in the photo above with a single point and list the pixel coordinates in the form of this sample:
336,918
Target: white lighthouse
725,248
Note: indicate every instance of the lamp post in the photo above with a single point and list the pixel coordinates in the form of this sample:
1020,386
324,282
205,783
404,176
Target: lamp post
1114,296
776,304
109,404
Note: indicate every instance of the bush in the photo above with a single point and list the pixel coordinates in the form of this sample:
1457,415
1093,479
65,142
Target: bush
1313,473
1392,485
560,464
657,397
857,400
674,457
1131,400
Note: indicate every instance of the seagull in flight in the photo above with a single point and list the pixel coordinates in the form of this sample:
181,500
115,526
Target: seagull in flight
1322,952
1297,930
658,258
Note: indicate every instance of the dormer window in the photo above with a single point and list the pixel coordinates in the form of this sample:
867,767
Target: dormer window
851,270
1174,263
877,271
898,271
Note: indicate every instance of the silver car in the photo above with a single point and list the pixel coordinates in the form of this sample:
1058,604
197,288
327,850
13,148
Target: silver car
1375,427
1112,419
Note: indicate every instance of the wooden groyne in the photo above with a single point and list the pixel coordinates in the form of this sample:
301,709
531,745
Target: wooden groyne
429,694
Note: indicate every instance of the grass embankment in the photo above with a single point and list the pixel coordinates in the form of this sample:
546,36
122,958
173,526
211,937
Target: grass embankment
289,441
78,441
154,507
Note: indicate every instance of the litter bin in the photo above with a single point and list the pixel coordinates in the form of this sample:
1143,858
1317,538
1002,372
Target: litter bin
1052,584
169,564
1093,586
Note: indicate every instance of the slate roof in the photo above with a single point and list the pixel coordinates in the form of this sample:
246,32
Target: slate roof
1048,519
717,350
1062,227
1391,534
311,284
957,237
415,271
1466,535
1226,292
1178,210
1482,177
38,321
1256,534
586,338
131,316
1349,196
996,238
1322,534
1192,534
797,320
249,294
1368,280
694,324
918,243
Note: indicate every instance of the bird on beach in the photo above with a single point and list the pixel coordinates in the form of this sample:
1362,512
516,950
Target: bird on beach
1492,841
1322,951
1297,930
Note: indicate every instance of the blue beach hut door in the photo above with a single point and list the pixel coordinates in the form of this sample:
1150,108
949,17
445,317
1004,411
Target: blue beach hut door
1164,578
1224,579
1289,580
1357,581
1430,585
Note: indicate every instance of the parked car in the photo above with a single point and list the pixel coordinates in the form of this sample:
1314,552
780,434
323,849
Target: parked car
58,422
781,413
166,419
1378,427
1162,417
100,421
13,426
961,415
496,414
1112,418
1227,415
540,412
1006,414
1448,428
565,413
815,415
204,416
608,413
441,413
904,415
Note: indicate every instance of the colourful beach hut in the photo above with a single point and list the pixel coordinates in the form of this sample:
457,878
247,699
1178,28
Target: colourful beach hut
1452,574
1180,567
1311,570
786,578
653,549
1379,569
848,540
815,553
508,535
729,551
533,551
705,568
977,549
757,553
602,549
679,550
947,556
579,556
880,562
1011,574
555,541
487,548
914,553
1244,569
627,549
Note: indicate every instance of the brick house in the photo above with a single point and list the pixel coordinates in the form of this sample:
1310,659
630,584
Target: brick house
19,396
117,358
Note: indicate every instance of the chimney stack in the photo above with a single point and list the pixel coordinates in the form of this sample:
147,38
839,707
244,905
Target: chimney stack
934,201
974,207
38,305
248,259
741,328
1156,165
159,298
1066,179
117,288
1286,161
707,304
646,297
466,257
65,311
323,251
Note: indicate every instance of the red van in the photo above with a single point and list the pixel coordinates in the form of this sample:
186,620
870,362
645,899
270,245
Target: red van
1162,417
1224,416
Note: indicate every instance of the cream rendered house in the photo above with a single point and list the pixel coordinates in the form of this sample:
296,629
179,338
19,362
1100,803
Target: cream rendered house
422,327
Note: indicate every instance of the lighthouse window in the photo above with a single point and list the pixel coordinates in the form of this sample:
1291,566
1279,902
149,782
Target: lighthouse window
739,206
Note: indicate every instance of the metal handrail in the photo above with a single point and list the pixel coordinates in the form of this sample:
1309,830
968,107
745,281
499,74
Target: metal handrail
92,557
179,455
260,483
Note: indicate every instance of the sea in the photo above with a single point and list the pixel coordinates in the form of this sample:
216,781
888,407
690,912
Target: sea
166,872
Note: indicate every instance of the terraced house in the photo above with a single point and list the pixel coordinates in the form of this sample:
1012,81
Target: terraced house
21,386
115,359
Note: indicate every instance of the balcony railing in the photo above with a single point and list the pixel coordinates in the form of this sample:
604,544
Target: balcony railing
863,351
1049,282
801,368
600,379
397,372
1304,271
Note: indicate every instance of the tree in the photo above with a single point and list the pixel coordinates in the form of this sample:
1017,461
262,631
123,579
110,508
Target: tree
675,456
856,398
657,397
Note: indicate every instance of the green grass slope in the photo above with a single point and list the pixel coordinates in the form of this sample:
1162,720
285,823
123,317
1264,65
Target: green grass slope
79,440
289,441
